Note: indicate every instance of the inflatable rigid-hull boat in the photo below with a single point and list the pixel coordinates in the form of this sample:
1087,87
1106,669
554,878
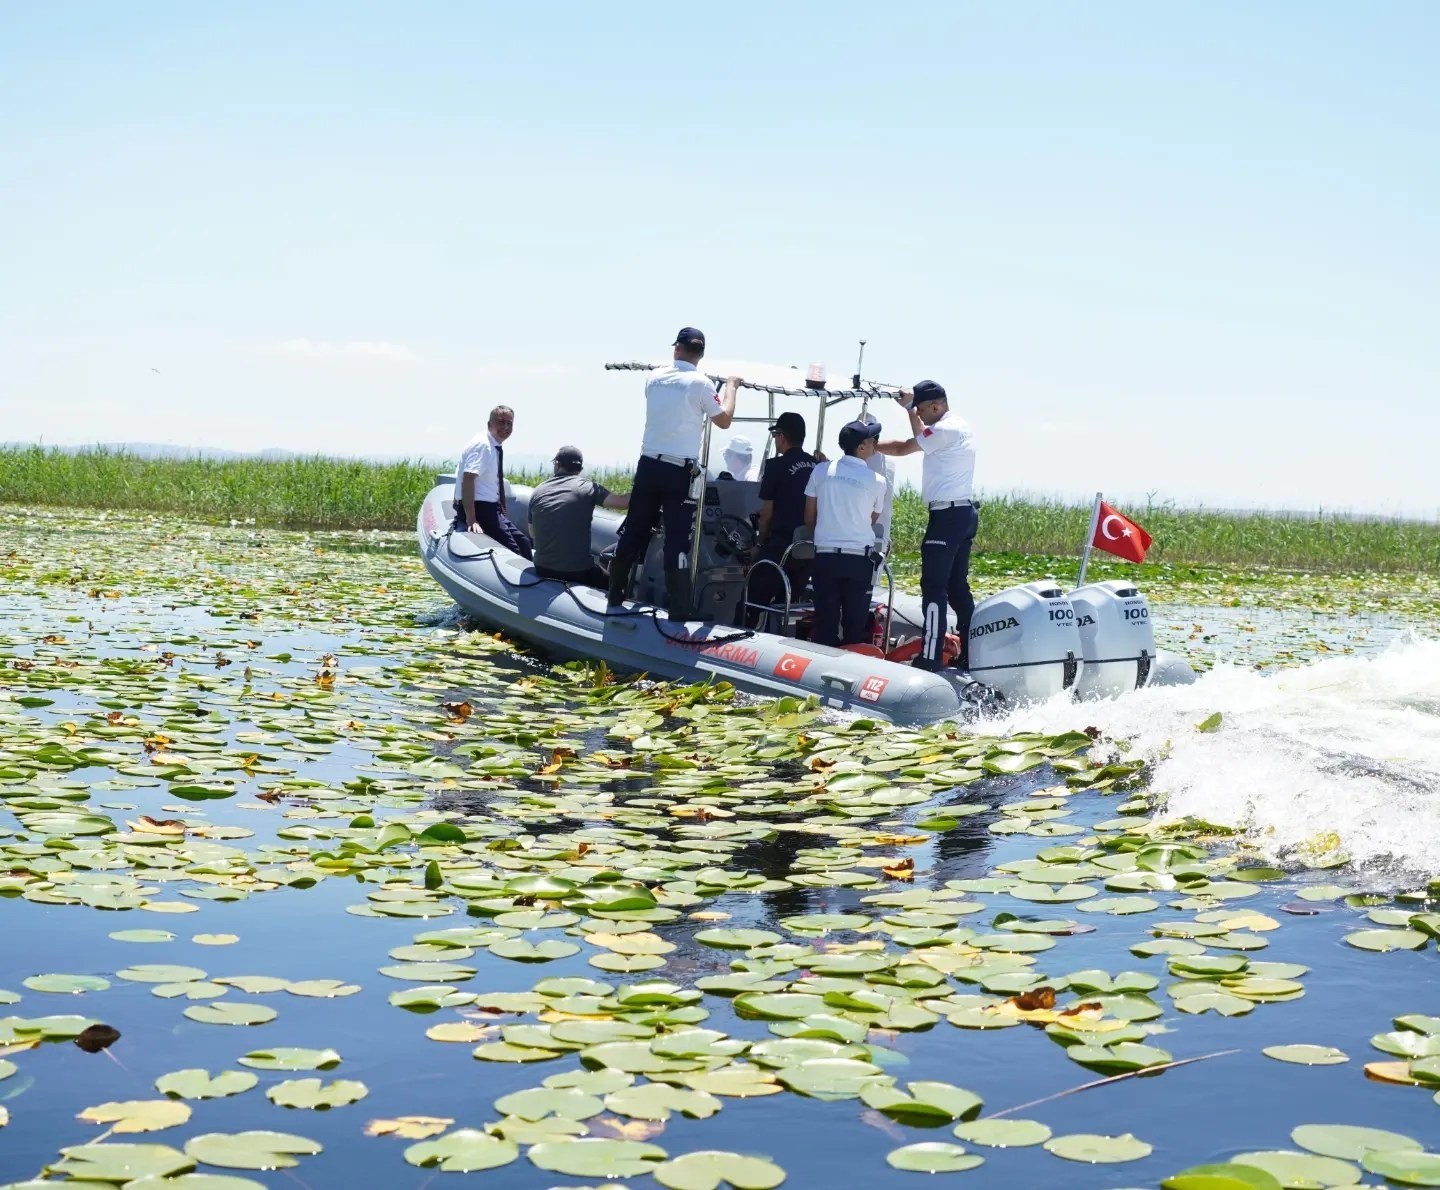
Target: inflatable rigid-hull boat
1027,643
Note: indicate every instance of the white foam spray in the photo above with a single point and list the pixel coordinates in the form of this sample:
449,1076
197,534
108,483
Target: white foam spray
1349,745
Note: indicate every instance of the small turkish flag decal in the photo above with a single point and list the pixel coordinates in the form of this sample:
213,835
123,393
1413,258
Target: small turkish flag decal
791,665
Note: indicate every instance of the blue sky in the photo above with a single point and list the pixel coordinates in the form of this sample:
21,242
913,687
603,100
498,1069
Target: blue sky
1188,251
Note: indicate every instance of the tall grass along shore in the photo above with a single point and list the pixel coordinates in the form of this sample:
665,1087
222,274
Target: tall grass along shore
326,493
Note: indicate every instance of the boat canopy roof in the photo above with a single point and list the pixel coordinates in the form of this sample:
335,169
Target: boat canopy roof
772,379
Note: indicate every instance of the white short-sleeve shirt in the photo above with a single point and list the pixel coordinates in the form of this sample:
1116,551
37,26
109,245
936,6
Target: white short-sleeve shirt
678,399
846,492
479,459
948,472
884,468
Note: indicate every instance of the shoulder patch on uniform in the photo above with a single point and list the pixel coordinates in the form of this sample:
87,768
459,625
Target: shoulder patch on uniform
926,432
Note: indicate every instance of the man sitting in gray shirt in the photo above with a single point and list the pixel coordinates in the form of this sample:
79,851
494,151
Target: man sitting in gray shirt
561,509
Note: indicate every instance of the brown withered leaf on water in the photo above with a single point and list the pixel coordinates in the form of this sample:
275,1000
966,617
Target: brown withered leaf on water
458,711
900,869
618,1129
1029,1001
157,826
1087,1006
95,1038
325,679
409,1127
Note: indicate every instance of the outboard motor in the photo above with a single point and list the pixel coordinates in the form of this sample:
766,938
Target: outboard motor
1024,643
1117,638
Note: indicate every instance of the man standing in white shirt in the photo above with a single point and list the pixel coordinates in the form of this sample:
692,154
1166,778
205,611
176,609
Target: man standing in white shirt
678,399
947,485
843,500
480,485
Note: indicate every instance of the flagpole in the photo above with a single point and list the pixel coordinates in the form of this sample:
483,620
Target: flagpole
1089,540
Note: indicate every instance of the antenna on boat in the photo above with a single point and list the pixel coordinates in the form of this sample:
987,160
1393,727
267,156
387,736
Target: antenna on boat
855,380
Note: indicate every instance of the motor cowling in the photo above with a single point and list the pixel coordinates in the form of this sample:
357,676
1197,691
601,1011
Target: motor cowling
1117,637
1024,642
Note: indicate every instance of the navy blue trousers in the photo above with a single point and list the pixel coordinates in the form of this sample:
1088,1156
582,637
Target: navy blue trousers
660,490
842,585
945,578
495,524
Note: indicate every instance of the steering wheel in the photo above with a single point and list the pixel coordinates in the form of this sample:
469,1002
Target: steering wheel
735,535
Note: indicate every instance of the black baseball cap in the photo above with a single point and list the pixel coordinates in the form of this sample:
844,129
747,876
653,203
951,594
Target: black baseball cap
930,390
691,338
570,458
853,433
792,425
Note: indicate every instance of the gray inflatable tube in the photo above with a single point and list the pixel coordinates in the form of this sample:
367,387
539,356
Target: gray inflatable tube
501,590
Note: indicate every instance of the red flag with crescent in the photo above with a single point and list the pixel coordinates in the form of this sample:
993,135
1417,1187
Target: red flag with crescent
1117,534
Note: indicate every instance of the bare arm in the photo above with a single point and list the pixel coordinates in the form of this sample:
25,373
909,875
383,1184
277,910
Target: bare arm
812,512
767,513
874,516
898,446
467,502
904,446
727,404
617,500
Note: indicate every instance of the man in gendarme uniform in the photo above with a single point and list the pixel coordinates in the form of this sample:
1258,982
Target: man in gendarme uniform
947,485
678,399
561,512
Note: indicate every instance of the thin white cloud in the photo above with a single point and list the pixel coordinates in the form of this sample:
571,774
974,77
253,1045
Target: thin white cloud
354,350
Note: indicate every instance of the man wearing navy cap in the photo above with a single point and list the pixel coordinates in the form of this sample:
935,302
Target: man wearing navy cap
678,399
782,511
561,512
947,485
843,500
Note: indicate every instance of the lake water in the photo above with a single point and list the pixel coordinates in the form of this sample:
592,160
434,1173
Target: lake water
203,668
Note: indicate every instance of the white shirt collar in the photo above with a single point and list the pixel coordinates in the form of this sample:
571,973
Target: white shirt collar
684,365
495,442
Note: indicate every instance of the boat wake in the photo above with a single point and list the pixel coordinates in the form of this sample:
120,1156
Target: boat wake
1343,751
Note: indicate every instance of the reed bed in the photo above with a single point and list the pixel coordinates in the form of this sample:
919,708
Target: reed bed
327,493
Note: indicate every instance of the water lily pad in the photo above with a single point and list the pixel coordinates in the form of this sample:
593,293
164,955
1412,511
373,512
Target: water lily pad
1350,1142
138,1115
592,1157
199,1084
121,1162
656,1101
1224,1177
1387,940
1004,1133
1093,1149
231,1012
535,1103
711,1169
1306,1055
315,1094
66,985
251,1150
466,1150
1407,1168
926,1102
934,1156
160,973
291,1057
1301,1170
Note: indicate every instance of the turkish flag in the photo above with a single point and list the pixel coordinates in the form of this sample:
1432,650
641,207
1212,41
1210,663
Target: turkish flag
1117,534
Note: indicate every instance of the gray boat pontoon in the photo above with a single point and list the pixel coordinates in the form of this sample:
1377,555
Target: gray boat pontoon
1027,643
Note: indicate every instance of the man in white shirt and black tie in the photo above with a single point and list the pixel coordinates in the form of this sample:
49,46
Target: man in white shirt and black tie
480,485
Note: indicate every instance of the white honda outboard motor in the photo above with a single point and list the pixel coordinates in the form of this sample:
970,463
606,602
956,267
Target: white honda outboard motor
1117,638
1024,643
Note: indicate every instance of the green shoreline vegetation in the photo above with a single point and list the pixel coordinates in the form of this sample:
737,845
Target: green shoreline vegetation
327,493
